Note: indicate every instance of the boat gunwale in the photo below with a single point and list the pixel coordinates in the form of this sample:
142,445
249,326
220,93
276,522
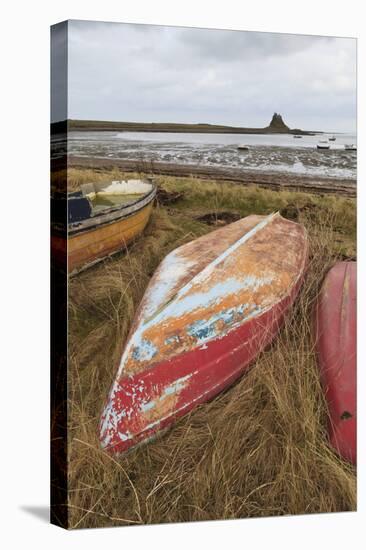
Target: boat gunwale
113,214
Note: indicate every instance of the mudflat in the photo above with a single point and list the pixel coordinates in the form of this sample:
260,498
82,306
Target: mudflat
268,180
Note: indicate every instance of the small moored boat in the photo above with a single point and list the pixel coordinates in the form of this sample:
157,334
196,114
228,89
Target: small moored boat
243,148
335,332
296,136
212,305
103,219
350,147
323,144
332,138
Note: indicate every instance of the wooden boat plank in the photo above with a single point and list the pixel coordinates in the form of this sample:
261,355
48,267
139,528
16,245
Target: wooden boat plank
102,241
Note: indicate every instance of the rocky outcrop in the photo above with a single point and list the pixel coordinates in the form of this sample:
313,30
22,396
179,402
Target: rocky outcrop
277,125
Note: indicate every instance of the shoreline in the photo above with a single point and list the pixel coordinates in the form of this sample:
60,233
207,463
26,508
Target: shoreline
270,180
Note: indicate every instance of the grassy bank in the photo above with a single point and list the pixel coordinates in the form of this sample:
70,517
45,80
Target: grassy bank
258,449
203,128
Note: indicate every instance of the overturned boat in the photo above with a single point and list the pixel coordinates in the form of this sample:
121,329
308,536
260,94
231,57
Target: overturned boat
336,331
103,219
212,305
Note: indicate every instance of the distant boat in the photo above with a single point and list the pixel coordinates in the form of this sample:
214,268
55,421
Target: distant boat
333,138
243,148
350,147
297,137
323,144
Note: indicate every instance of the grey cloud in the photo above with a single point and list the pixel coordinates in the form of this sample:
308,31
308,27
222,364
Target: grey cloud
152,73
233,45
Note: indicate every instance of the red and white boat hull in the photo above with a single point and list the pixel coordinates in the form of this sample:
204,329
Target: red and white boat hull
210,308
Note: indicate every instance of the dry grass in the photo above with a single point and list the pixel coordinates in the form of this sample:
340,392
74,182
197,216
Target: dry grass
258,449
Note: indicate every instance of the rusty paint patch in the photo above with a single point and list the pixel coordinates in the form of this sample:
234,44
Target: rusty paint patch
181,312
182,264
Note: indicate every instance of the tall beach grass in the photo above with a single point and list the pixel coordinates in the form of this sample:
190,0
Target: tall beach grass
258,449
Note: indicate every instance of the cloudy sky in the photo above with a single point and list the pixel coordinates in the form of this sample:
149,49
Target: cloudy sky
168,74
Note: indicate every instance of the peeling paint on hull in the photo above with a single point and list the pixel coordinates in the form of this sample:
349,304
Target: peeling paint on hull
335,331
210,308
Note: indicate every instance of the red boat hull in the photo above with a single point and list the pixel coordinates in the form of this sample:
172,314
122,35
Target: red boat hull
335,325
210,308
219,364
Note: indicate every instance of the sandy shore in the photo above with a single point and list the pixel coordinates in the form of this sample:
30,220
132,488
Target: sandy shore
270,180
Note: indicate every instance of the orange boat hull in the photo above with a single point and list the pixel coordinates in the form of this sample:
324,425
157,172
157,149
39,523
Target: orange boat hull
90,246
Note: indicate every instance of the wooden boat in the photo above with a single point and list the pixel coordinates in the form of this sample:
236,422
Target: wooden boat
212,305
335,329
103,219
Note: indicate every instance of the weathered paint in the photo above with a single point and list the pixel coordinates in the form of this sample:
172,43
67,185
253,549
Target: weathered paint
335,331
241,279
199,327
